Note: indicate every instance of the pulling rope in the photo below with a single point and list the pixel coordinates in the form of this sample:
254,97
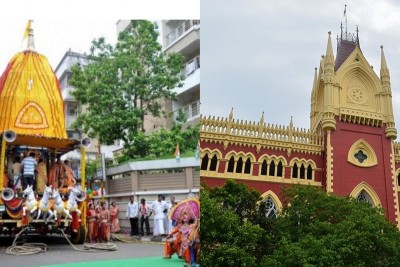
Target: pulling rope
96,247
22,248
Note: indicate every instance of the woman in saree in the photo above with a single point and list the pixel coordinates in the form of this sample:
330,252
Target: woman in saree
41,177
114,218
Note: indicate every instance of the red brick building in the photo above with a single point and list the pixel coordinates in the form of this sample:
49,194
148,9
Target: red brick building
348,150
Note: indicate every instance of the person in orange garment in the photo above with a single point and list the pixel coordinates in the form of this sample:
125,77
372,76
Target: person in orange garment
104,223
114,211
91,216
181,247
173,242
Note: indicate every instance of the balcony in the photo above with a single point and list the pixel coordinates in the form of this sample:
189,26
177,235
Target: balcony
191,73
181,30
66,93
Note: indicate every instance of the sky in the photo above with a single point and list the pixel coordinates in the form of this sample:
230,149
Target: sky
259,56
59,25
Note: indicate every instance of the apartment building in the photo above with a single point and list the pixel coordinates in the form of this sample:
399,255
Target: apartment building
183,36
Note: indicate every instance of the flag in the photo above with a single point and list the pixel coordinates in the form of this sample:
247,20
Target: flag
197,155
177,153
27,29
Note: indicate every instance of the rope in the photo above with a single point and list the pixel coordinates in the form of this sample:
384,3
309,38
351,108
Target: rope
128,239
22,248
96,247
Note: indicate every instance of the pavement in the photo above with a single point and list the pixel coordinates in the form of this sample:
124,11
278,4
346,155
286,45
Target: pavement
133,251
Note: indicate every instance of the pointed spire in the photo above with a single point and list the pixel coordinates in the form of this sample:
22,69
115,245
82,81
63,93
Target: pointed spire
329,57
384,68
315,78
231,115
262,119
31,43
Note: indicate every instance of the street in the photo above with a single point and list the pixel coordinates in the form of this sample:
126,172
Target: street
60,253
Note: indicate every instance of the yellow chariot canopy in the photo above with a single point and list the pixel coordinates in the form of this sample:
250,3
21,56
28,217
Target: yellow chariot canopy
30,97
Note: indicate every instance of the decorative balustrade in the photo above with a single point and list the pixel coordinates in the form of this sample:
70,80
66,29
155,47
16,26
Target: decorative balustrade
259,133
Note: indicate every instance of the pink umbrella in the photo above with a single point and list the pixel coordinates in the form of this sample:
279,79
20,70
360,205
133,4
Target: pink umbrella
191,205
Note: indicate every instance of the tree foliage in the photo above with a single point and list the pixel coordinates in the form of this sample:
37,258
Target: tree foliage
316,229
123,83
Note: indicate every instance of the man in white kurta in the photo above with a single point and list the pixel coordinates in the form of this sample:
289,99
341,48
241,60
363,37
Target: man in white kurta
159,206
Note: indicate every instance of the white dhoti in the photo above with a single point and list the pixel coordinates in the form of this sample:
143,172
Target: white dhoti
158,227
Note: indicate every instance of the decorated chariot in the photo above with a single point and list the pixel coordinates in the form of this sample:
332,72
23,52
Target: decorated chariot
32,122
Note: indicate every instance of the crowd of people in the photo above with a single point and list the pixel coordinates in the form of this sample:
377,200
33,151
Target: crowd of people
32,171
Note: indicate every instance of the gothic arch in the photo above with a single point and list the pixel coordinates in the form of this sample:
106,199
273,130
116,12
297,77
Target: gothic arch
361,154
272,195
369,190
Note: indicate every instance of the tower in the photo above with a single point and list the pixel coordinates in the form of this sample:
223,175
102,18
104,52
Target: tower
352,109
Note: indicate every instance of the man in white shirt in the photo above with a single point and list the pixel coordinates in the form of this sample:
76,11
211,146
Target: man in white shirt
159,207
29,165
132,214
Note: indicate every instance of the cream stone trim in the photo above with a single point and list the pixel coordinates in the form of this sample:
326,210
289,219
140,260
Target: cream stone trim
362,145
395,185
306,162
276,160
329,164
369,190
272,195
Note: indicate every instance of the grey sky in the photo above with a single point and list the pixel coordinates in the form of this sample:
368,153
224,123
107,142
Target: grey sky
260,55
59,25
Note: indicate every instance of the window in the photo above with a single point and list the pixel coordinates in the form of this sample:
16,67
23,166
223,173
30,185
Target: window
272,169
239,166
195,109
204,163
364,197
309,172
270,208
280,169
302,171
398,179
264,167
213,165
295,169
247,166
231,164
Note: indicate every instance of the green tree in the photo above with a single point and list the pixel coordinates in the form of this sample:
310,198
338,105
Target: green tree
238,198
225,240
123,83
318,229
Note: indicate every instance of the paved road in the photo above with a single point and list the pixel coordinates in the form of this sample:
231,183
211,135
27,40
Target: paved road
59,252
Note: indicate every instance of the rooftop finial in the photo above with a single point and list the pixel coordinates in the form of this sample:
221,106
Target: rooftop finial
29,33
345,17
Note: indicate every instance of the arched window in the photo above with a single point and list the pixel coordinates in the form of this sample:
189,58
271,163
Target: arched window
364,197
294,171
398,179
272,169
239,165
271,210
280,169
302,171
247,166
309,172
213,164
231,164
204,163
264,167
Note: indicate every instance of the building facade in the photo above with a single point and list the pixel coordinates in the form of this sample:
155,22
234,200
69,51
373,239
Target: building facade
349,150
183,36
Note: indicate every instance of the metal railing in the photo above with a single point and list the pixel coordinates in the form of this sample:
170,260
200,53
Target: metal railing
180,30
